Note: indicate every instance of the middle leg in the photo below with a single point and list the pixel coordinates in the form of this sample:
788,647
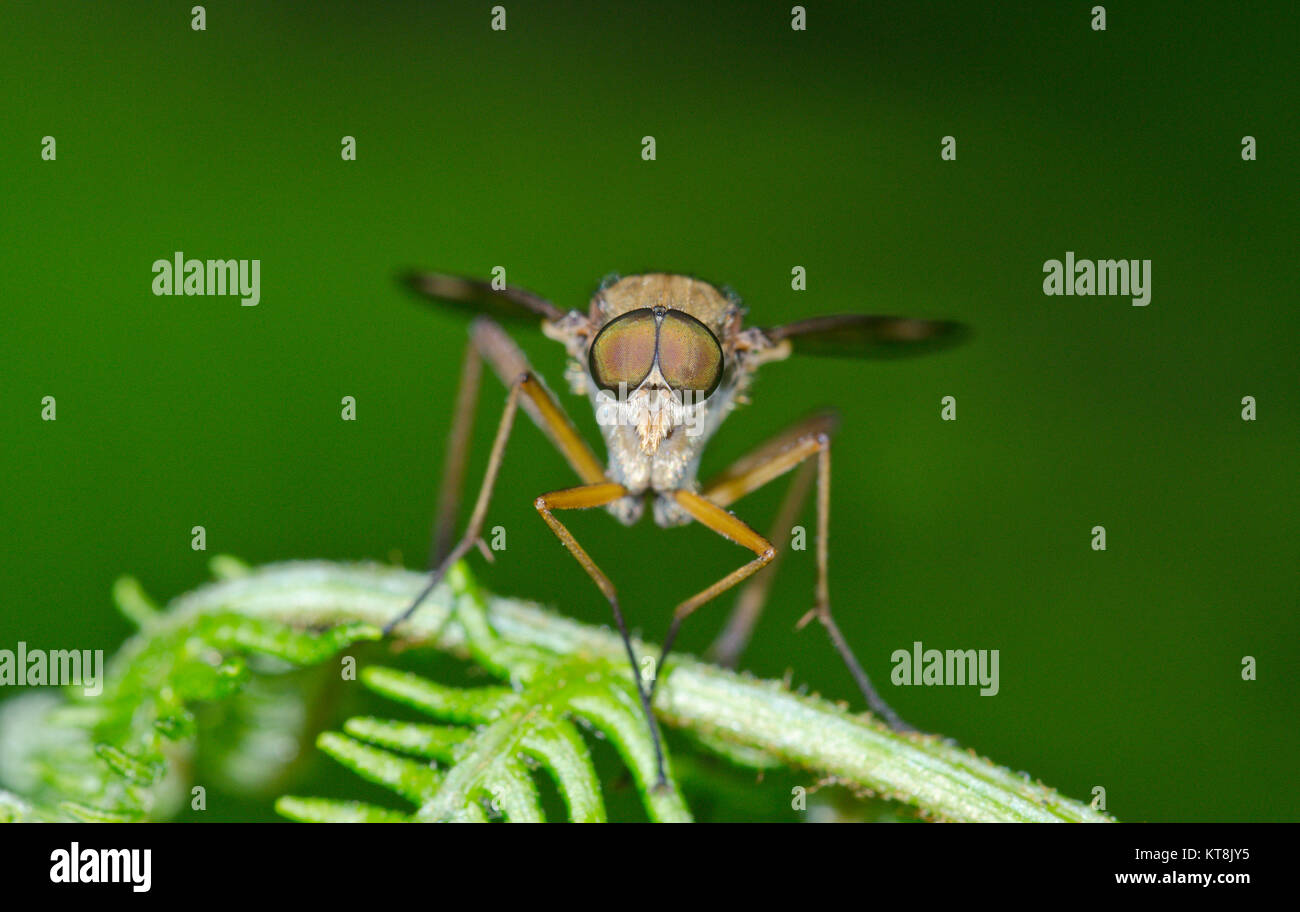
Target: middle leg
808,441
744,476
714,517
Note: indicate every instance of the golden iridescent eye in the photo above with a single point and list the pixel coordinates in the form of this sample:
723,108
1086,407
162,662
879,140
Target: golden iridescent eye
690,357
624,351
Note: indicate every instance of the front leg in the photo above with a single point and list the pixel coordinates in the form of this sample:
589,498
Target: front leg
537,400
582,498
489,343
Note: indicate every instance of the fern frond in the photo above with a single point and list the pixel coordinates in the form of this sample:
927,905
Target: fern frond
116,757
490,766
128,754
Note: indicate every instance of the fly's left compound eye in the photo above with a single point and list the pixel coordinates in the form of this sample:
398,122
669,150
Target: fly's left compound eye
624,351
690,357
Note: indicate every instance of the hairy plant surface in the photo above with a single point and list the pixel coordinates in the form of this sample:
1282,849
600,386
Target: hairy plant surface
234,646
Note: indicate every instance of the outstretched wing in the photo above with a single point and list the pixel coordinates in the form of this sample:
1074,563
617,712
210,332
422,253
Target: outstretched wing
480,297
867,336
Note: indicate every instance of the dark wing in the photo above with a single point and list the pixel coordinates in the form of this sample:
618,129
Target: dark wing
480,297
865,336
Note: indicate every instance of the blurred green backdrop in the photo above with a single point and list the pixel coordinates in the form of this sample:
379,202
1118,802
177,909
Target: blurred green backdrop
775,148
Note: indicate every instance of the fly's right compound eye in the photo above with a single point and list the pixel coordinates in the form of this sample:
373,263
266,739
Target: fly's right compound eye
624,351
690,357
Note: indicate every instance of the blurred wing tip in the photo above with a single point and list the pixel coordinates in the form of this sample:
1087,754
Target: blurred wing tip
435,284
931,335
870,335
952,330
960,333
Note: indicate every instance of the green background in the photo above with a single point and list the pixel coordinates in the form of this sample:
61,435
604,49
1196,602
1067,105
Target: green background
775,148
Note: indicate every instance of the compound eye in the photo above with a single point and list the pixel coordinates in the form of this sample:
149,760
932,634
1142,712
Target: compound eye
690,357
624,351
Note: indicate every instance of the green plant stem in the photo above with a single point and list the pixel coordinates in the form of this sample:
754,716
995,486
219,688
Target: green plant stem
765,718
